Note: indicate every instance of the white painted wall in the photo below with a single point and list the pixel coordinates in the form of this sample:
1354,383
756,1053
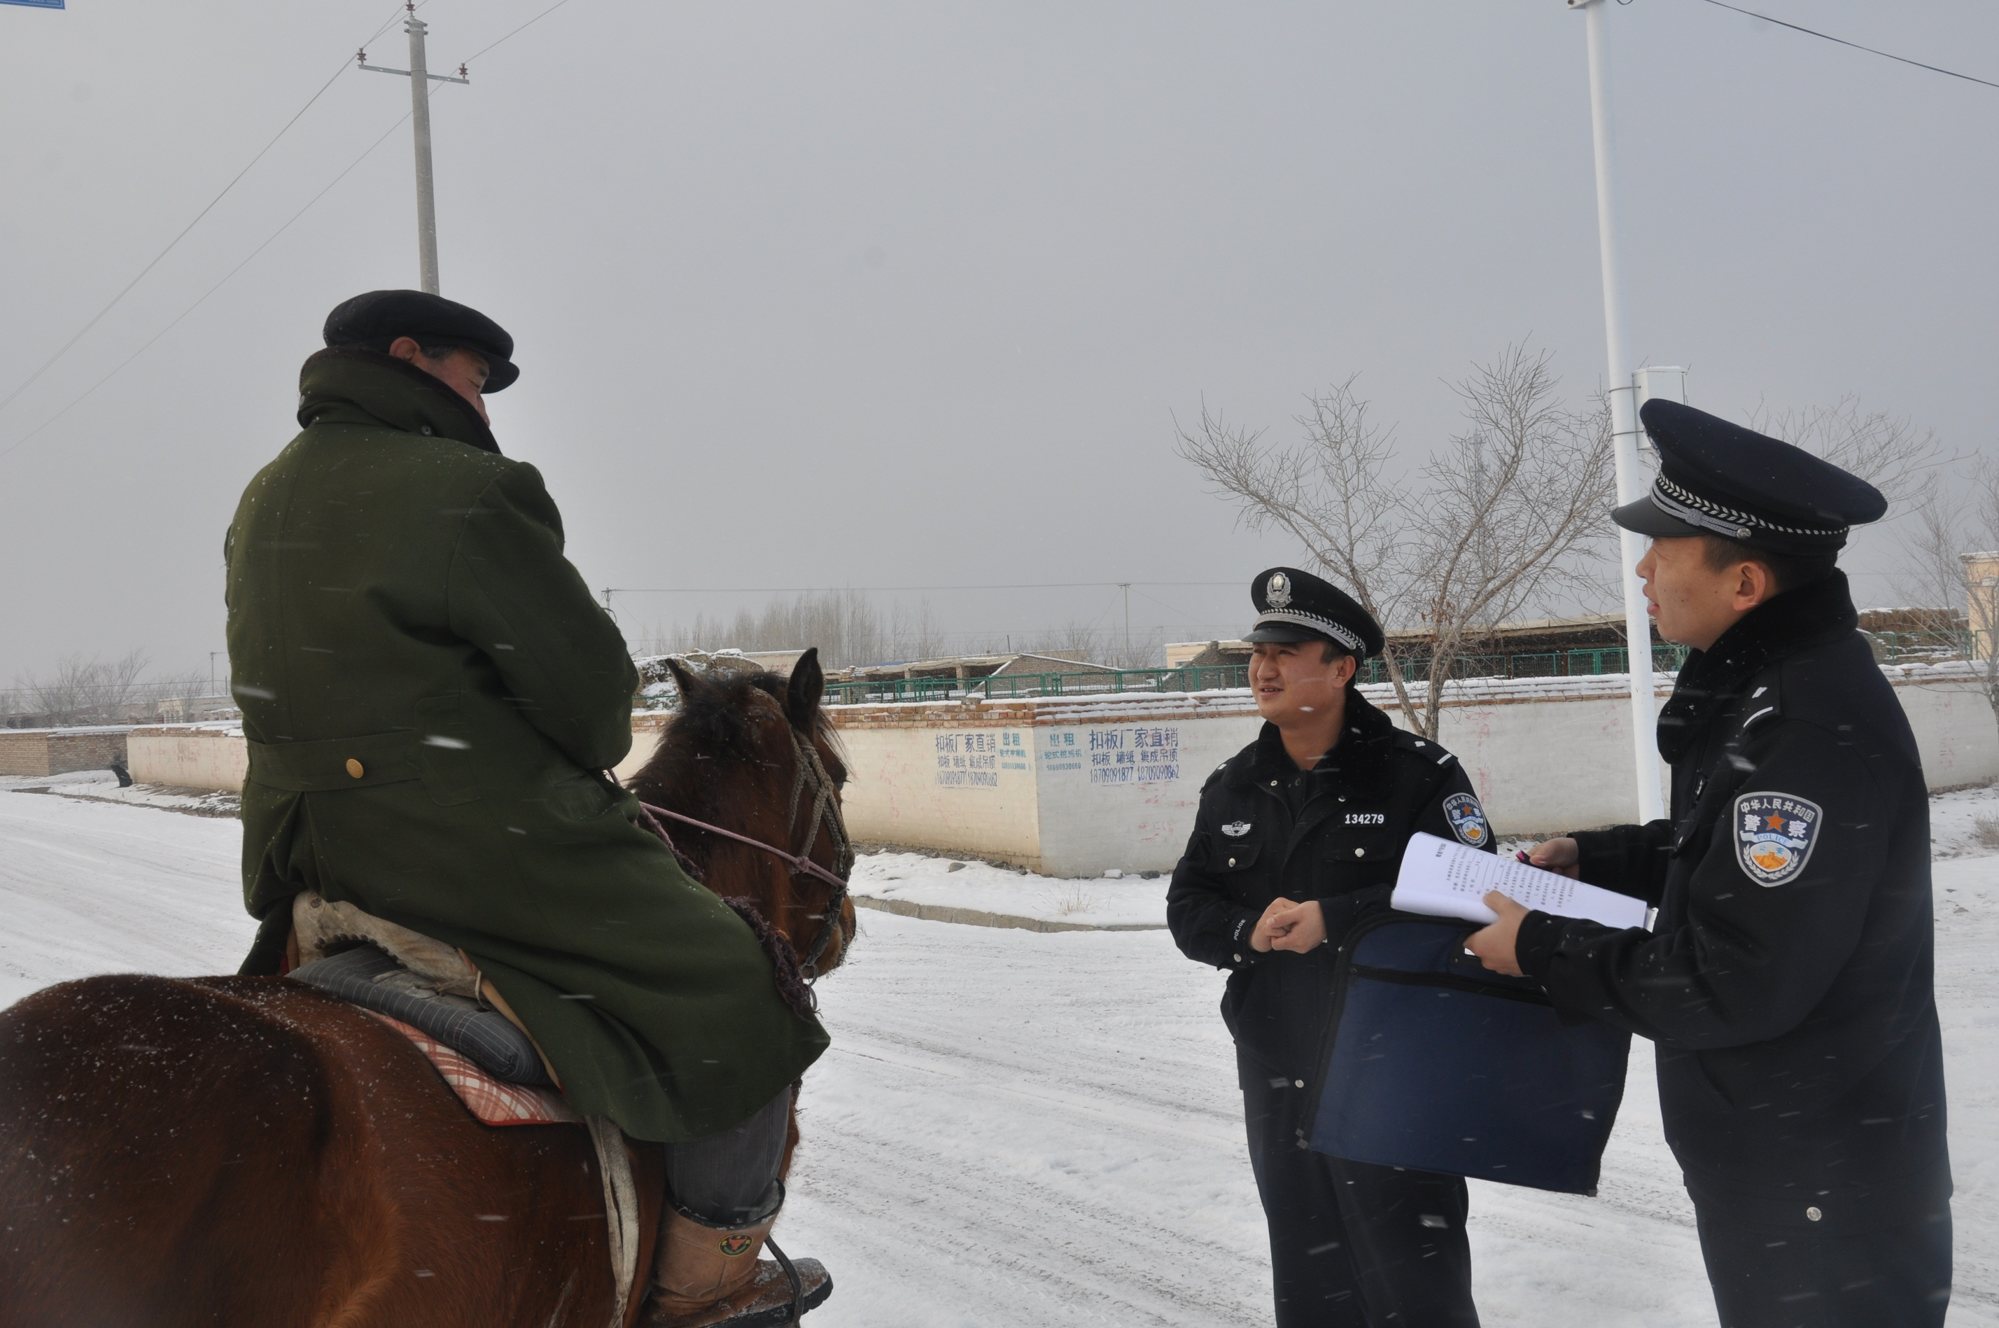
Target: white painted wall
189,756
1953,726
1121,792
960,787
1076,786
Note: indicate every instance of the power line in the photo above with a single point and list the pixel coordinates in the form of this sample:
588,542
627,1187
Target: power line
174,243
182,316
247,258
517,31
1886,55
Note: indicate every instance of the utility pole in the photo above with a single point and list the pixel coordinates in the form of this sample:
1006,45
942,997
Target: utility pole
420,79
1623,426
1126,587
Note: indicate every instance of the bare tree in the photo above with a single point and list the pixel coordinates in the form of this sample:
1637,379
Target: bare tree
844,624
1507,515
60,697
1893,455
915,635
117,681
1077,641
85,691
1954,552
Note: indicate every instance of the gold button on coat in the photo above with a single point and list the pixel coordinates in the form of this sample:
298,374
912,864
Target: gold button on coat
355,768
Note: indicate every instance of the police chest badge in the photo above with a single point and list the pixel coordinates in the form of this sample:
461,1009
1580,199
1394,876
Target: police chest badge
1774,835
1236,829
1467,819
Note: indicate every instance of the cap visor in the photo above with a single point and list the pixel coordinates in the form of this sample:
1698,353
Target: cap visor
500,375
1283,634
1646,518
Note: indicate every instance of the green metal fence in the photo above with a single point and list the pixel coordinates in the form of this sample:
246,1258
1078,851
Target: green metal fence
1577,663
1202,678
1011,686
1545,664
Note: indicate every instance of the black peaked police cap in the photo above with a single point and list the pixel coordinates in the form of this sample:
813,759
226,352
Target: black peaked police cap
1718,478
376,319
1296,606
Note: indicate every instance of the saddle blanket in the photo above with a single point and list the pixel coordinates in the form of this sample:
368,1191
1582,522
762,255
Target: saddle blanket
489,1099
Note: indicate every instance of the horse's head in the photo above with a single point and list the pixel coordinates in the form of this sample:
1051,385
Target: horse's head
755,754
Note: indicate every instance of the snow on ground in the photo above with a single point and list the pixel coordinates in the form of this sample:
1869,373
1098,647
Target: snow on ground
917,878
1025,1130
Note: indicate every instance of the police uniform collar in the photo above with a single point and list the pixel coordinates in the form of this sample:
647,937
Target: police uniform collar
1796,620
1363,746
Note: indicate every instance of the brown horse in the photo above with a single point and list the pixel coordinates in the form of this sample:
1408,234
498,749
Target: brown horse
250,1151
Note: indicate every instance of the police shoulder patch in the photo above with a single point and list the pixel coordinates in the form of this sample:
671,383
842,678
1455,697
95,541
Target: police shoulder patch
1467,819
1774,835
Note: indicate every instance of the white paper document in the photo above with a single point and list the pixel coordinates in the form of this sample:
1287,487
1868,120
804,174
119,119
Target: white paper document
1448,880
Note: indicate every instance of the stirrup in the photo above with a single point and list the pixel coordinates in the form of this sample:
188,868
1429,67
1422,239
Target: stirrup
791,1276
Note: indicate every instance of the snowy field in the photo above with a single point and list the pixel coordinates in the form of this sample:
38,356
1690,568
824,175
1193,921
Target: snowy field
1023,1130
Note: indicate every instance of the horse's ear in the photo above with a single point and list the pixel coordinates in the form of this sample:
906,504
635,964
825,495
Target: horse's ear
685,680
805,690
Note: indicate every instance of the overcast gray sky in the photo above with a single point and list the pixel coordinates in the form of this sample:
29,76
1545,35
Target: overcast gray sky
871,294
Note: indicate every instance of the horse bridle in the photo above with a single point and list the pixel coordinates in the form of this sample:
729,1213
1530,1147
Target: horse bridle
825,813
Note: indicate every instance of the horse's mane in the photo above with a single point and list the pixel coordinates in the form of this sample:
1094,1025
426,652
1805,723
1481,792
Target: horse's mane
710,741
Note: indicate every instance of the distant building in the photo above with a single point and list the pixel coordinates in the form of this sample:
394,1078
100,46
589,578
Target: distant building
1540,648
1981,607
656,687
1023,674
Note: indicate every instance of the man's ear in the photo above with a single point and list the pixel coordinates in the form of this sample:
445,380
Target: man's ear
406,348
1754,585
1347,674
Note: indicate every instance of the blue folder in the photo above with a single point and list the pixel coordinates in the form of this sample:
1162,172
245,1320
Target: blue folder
1433,1063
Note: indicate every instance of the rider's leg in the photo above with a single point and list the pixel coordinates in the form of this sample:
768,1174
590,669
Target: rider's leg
723,1196
730,1178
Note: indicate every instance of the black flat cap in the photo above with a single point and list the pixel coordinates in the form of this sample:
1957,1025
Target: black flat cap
376,319
1296,606
1718,478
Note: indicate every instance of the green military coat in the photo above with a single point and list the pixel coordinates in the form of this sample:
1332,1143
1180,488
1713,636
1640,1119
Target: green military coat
428,690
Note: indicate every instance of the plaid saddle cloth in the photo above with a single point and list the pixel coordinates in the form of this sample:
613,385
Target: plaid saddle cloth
488,1062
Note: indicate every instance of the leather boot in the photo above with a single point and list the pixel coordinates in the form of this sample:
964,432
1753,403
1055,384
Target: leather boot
708,1276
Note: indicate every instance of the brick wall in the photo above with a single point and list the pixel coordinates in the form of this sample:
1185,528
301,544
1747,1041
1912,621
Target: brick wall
59,751
24,752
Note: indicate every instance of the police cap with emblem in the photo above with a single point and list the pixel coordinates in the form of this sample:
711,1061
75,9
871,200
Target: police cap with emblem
1296,606
374,320
1717,478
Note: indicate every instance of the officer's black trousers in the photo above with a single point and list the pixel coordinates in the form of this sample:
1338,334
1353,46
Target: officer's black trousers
1352,1245
1791,1277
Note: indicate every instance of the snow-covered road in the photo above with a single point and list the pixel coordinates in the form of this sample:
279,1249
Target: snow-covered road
1020,1129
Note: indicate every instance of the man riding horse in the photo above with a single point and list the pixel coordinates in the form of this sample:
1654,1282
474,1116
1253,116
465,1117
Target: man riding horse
430,695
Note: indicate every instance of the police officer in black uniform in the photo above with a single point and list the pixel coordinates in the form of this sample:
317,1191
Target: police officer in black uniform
1298,836
1787,983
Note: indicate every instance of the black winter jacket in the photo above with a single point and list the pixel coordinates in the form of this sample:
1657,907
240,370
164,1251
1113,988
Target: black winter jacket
1787,983
1378,786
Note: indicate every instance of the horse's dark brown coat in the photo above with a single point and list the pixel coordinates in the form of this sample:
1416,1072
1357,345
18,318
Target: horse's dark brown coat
247,1151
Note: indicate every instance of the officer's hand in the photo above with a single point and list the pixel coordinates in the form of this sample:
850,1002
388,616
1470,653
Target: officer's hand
1263,935
1556,855
1300,928
1494,945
